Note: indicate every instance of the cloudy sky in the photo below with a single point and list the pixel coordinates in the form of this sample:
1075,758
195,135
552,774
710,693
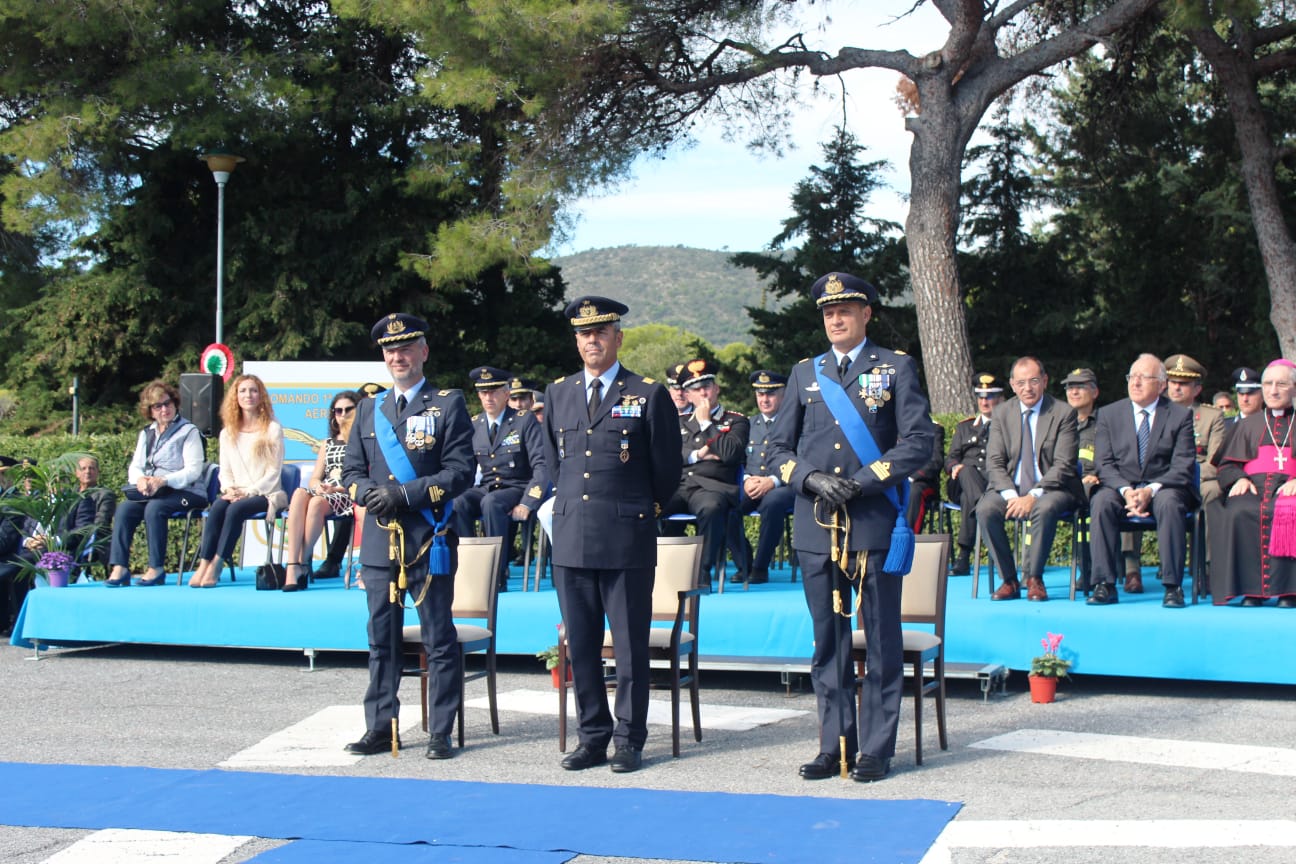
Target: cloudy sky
718,195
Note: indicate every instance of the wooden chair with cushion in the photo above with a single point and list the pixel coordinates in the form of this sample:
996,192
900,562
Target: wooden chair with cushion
922,601
474,600
675,599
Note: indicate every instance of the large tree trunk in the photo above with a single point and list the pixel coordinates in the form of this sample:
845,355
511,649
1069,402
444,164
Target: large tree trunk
1277,250
935,164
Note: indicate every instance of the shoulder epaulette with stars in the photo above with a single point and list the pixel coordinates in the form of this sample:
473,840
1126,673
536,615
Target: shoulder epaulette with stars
560,380
803,360
897,351
650,381
444,392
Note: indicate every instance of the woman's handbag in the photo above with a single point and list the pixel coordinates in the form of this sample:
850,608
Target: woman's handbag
270,577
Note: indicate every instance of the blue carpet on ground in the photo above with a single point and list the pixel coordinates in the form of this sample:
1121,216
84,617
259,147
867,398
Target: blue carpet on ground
628,823
321,852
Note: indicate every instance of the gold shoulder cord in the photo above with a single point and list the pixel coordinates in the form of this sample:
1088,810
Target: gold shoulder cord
839,527
395,552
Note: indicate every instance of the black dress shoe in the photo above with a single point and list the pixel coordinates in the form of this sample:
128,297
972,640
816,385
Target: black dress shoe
822,767
1104,594
1252,601
1288,602
372,743
585,756
626,759
758,577
328,570
962,565
869,769
439,747
1173,597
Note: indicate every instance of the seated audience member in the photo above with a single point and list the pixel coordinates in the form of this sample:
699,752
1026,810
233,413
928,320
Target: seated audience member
714,444
1224,402
165,476
1253,525
18,543
1082,395
1031,459
509,449
1146,458
673,376
93,511
763,490
522,394
251,464
966,465
1246,384
325,496
924,484
1183,385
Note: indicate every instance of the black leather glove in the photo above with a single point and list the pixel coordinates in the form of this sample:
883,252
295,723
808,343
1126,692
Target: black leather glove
835,491
384,501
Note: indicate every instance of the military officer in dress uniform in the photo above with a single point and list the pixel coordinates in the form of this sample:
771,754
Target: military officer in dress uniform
966,465
817,459
763,491
673,376
1246,384
410,453
509,449
613,451
1081,385
714,441
522,393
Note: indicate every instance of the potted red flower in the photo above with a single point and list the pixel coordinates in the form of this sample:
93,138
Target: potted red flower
1046,669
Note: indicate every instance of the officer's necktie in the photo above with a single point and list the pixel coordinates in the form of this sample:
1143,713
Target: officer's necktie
843,368
1144,432
494,427
401,402
1026,476
596,397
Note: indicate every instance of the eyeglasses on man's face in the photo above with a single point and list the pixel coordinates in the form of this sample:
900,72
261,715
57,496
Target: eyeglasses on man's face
1139,377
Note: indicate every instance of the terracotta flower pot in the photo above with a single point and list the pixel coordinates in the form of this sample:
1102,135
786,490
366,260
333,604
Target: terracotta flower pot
1043,688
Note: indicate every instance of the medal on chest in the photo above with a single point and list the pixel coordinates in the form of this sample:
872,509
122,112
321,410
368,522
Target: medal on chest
875,387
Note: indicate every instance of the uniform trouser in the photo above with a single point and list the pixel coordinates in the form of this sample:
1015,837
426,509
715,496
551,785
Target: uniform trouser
625,598
831,669
1042,525
437,630
773,507
154,513
224,525
1169,509
712,510
495,510
967,490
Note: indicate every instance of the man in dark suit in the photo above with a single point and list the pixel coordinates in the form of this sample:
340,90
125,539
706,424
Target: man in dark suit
834,481
612,447
1146,460
409,453
1031,460
713,443
763,491
509,449
966,465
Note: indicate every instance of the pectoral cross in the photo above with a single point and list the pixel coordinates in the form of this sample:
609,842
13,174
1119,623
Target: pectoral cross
1281,459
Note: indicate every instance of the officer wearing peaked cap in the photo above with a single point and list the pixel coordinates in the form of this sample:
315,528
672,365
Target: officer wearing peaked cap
1184,378
522,393
1246,383
713,441
612,447
763,490
409,453
509,449
966,464
674,375
820,462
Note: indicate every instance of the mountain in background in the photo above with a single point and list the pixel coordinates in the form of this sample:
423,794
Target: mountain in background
695,289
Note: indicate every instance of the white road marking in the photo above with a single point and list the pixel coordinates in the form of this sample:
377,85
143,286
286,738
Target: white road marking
1154,833
318,741
733,718
1278,761
128,846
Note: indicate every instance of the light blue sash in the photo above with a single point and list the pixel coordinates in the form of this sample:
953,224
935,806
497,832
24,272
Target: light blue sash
401,468
900,557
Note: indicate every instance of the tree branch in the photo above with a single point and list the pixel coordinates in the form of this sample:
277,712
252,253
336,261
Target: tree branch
1276,62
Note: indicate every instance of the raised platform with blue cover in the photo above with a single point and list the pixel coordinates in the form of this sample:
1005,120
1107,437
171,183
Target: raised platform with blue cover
1135,637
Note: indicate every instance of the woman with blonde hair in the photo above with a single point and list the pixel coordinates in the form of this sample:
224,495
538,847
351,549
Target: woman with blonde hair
165,475
326,495
251,459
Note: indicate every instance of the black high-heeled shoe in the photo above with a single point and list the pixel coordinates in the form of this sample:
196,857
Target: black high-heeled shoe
302,578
